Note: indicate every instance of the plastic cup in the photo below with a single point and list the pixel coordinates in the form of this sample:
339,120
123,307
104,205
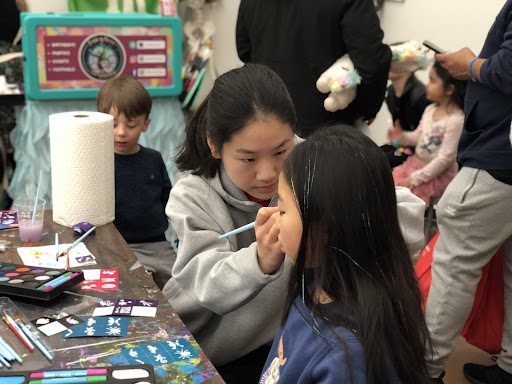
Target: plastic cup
30,219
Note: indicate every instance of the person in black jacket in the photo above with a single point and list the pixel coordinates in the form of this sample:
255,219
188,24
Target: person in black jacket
406,97
300,39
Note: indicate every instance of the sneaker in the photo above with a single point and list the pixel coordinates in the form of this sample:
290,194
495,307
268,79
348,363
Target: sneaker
438,380
482,374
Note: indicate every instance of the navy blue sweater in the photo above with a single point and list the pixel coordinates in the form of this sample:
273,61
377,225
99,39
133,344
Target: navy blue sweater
485,142
301,354
142,191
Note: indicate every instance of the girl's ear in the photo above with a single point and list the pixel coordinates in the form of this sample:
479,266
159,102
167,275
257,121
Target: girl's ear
450,89
213,150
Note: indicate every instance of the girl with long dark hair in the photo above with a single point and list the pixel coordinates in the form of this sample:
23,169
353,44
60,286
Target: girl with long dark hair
354,308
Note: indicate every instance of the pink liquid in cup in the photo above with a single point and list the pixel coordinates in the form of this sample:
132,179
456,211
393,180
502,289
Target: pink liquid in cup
30,232
30,220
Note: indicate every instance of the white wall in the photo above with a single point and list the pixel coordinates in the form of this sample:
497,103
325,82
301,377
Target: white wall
451,24
36,6
224,14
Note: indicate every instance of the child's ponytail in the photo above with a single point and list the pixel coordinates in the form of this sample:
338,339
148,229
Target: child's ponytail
195,155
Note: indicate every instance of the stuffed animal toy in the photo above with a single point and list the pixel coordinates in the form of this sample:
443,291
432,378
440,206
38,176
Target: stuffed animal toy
340,81
409,56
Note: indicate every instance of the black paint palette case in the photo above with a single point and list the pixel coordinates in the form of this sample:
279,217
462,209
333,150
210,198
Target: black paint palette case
36,282
117,374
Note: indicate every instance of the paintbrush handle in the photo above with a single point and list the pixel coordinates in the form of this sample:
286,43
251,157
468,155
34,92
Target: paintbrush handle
78,241
238,230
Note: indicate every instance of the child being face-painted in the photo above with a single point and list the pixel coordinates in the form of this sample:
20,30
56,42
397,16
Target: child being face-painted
354,307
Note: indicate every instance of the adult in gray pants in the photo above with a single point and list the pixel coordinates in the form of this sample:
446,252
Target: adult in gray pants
474,212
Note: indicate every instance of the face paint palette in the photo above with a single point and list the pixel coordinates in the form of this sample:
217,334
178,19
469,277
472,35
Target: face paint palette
118,374
36,282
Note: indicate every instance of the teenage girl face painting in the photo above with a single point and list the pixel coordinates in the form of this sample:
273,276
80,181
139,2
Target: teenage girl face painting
253,157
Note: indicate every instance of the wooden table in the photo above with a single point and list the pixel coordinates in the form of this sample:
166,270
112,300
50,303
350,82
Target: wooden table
111,251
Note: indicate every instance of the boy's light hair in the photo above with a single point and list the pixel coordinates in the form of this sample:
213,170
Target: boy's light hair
127,95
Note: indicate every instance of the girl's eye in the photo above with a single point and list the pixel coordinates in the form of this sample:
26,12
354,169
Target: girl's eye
281,213
131,126
280,153
248,160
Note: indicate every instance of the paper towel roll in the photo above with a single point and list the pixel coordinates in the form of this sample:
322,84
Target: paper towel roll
82,160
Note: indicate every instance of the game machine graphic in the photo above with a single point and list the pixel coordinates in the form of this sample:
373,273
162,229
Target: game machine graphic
102,57
71,55
68,59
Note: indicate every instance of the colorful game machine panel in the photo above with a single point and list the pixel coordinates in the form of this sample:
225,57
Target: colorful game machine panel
71,55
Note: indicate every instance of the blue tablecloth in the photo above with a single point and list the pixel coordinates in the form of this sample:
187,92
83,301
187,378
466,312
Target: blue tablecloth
31,141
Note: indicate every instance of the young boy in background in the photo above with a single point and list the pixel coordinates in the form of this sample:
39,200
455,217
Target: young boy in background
141,180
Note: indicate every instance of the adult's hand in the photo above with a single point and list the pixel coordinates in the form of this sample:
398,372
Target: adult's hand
457,63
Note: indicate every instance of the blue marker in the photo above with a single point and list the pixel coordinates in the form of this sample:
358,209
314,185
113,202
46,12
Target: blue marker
5,362
10,350
69,373
4,352
69,380
13,379
52,282
238,230
59,282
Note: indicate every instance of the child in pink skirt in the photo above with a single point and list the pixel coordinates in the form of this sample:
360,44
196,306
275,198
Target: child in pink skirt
434,164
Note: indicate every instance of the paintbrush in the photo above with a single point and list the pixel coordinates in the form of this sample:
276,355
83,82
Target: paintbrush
238,230
78,241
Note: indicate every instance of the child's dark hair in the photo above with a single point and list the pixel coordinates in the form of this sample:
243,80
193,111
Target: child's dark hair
127,95
251,93
352,249
459,91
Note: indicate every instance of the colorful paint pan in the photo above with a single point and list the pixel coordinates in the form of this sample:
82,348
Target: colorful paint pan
117,374
36,282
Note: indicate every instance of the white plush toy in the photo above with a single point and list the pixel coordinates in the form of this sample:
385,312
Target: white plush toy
340,81
409,56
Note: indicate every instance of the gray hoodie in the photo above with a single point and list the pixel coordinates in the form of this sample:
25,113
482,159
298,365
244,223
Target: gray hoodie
217,287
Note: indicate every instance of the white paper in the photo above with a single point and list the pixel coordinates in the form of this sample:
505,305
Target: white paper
92,274
46,256
82,161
